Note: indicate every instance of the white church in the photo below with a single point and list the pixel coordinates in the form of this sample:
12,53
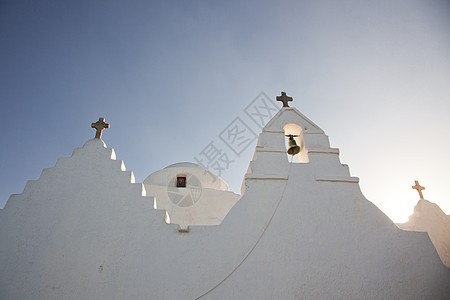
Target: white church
299,230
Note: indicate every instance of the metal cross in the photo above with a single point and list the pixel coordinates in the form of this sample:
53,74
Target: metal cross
418,188
99,125
285,99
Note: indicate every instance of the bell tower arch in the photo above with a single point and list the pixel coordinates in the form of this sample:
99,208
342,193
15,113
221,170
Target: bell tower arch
271,163
294,130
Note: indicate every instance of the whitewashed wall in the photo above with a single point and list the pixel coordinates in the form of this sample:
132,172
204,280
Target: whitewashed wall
428,217
301,231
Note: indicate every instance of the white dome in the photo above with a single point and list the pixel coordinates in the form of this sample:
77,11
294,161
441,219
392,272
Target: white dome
184,164
195,175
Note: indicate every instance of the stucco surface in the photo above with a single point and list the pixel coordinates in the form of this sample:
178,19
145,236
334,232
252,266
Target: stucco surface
84,230
204,201
428,217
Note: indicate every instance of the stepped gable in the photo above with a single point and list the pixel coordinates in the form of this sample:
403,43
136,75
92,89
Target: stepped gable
269,161
67,225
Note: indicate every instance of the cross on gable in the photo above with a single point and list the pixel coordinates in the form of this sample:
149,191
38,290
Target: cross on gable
285,99
419,188
99,125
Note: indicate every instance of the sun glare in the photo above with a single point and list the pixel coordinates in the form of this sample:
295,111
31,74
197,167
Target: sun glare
400,210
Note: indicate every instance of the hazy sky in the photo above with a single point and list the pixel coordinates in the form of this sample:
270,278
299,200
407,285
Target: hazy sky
169,76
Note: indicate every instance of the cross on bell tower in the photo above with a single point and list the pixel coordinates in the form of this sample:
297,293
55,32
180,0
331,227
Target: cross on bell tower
99,125
285,99
419,189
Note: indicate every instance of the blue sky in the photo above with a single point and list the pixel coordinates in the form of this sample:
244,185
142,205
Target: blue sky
169,76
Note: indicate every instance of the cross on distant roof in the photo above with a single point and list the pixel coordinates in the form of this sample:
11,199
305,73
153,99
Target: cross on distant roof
99,125
285,99
418,188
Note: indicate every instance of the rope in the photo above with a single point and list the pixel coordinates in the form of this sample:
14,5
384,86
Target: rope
257,241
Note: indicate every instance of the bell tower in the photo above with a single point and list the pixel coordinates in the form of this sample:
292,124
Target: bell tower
271,162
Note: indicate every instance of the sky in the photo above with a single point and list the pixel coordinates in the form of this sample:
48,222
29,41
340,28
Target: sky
171,76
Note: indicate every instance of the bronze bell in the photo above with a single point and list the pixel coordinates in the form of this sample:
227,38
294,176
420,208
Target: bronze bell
293,147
